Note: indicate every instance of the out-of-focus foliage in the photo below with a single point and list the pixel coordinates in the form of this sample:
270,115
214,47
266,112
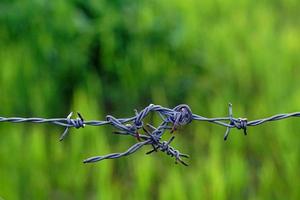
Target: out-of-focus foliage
109,57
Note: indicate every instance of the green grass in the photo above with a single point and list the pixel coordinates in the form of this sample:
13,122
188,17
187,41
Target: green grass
109,57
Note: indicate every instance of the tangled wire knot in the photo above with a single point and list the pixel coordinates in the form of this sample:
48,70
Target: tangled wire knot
148,134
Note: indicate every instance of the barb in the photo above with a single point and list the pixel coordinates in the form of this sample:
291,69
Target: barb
172,119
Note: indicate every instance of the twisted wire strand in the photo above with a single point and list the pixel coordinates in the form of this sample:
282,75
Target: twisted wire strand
180,115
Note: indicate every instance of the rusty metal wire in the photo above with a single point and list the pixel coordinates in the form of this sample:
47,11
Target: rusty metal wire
147,134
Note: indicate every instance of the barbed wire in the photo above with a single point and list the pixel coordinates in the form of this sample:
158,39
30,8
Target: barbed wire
148,134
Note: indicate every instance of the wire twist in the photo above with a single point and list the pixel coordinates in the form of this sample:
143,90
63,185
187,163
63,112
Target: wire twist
181,115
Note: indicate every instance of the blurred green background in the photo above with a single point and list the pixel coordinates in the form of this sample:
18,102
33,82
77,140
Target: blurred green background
110,57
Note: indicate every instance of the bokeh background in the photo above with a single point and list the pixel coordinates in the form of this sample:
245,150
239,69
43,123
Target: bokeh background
109,57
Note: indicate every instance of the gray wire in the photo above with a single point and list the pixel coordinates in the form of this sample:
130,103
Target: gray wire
179,116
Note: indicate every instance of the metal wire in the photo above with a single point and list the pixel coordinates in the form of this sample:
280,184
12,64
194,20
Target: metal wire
171,119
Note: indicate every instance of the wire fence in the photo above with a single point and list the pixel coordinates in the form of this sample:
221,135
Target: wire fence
148,134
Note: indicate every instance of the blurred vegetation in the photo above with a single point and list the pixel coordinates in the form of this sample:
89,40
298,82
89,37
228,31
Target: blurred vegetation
109,57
